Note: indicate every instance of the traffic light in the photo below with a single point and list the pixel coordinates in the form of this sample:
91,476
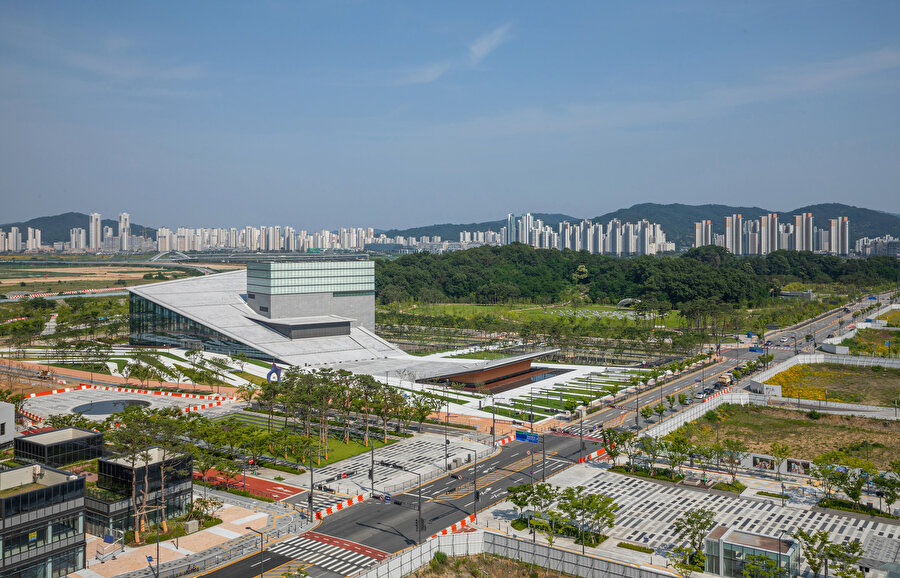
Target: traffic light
371,473
477,495
309,499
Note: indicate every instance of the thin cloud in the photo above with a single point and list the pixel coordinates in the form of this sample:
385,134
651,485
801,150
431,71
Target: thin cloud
483,46
480,49
785,84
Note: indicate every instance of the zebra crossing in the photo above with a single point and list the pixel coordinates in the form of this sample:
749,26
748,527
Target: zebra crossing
323,556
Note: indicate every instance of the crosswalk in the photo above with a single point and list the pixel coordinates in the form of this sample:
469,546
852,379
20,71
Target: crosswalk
321,555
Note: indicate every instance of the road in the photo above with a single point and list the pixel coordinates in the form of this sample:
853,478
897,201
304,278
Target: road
252,565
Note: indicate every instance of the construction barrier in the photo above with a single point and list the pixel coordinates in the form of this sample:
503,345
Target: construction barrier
338,507
457,526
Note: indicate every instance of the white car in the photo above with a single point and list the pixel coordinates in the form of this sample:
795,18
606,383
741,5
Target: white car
783,340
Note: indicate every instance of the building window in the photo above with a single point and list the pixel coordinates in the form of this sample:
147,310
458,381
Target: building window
251,296
3,429
263,309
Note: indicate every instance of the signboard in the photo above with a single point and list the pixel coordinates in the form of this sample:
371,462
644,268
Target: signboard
344,475
387,498
524,436
756,350
32,537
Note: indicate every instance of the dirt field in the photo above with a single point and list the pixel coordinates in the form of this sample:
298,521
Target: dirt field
759,426
52,275
841,382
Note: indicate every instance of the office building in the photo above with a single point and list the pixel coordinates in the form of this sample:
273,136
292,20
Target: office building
41,522
7,423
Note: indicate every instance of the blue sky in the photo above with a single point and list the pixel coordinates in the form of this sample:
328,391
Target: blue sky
410,113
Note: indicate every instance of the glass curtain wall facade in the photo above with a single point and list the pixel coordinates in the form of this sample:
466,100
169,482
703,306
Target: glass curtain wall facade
60,453
344,278
156,326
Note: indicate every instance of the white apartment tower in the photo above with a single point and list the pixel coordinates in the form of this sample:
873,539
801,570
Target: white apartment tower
124,232
94,232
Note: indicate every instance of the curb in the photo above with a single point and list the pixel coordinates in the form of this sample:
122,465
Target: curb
83,386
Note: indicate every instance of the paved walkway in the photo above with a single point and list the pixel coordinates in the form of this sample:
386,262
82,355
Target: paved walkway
648,509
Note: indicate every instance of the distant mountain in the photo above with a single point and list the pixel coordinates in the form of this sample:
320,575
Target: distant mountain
56,228
450,232
678,220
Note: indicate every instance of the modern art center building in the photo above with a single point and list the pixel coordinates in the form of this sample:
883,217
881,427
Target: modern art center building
312,311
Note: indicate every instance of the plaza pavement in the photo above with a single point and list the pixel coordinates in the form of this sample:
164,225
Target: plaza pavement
648,510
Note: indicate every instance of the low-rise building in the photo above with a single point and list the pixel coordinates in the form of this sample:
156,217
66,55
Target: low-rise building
7,423
59,447
41,522
168,482
728,550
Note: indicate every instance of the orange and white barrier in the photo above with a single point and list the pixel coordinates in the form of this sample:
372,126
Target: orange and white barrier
597,455
457,526
715,395
338,507
505,440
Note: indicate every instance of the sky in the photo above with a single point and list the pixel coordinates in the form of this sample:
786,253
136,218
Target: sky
400,114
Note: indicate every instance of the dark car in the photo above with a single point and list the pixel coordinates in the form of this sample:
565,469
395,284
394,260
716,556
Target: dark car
830,335
707,390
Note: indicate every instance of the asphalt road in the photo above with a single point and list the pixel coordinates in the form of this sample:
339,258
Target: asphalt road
391,526
253,565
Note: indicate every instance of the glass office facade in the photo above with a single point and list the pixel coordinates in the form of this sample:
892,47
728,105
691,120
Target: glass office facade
154,325
83,446
341,278
41,526
727,554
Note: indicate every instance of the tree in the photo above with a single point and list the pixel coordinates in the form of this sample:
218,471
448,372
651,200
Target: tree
423,405
734,451
682,399
825,470
760,566
368,389
888,485
652,448
779,452
611,443
630,446
520,496
131,440
693,527
677,450
687,561
814,547
543,496
856,473
670,401
646,412
846,556
659,409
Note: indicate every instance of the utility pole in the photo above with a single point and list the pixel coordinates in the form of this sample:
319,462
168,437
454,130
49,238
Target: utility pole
543,459
420,522
475,482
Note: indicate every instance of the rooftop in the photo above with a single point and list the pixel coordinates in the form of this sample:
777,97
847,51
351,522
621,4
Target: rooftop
29,478
60,435
155,454
751,540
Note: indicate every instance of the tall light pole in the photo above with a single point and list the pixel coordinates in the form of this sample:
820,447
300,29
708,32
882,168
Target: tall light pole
475,482
260,549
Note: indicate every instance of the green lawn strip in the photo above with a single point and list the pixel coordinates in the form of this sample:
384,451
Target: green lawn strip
260,363
526,408
254,379
635,547
772,495
737,487
848,506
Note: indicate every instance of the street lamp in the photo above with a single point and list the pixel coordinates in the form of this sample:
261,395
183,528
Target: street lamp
780,534
261,535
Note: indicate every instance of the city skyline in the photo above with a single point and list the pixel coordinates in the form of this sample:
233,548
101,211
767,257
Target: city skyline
344,113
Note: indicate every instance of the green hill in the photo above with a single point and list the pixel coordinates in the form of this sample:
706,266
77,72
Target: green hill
450,231
56,228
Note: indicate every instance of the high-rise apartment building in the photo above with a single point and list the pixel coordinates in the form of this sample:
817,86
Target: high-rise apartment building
94,232
124,232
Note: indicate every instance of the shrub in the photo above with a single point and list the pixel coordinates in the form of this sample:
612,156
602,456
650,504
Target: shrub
519,524
635,547
279,479
813,414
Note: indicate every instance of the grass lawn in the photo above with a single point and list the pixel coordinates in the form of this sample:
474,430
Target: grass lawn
759,426
338,450
842,383
254,379
482,355
95,368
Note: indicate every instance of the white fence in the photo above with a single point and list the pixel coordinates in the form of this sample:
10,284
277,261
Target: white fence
487,542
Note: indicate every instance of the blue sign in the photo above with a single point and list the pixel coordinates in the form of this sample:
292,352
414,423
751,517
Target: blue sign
524,436
387,498
276,372
887,343
756,350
